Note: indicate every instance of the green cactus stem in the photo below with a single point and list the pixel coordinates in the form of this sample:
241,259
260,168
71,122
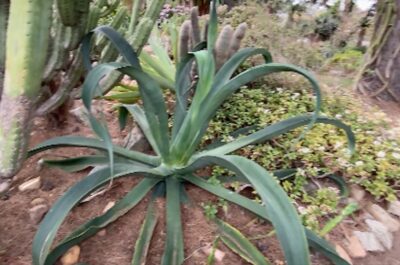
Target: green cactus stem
4,10
27,41
67,11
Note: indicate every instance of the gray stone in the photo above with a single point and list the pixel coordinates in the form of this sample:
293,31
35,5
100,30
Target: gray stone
394,208
369,241
384,217
381,232
135,140
4,186
354,247
37,212
38,201
32,184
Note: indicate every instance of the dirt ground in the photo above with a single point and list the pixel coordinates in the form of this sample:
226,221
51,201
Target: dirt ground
116,247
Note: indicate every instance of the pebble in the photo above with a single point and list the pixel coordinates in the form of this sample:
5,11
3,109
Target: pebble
38,201
394,208
381,232
342,253
102,232
381,215
354,248
108,206
71,256
357,193
32,184
218,254
4,186
37,212
369,241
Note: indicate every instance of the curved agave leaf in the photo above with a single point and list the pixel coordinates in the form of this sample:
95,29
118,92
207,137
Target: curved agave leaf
139,116
227,70
282,214
182,86
54,218
146,233
123,47
238,243
277,129
150,91
173,251
79,141
281,174
91,227
82,162
314,241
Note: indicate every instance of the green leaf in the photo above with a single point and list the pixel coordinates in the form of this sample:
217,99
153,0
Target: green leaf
314,241
146,233
277,129
173,252
79,141
182,86
238,243
138,115
91,227
123,47
77,163
54,218
282,214
212,33
227,70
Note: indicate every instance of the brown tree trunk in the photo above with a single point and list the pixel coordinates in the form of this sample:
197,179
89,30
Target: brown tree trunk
380,76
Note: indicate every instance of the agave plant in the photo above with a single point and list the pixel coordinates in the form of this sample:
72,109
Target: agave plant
177,157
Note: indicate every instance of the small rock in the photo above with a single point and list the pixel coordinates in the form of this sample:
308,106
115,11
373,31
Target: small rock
4,187
394,208
37,212
48,185
342,253
354,248
102,232
108,206
71,256
357,193
381,215
369,241
38,201
135,140
381,232
32,184
218,254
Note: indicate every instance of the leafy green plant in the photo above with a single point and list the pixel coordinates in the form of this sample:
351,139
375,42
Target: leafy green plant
177,155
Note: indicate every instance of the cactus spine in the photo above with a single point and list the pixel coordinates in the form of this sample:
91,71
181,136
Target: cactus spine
194,19
237,38
221,49
27,41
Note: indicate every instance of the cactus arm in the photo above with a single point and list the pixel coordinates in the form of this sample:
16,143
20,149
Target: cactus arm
67,12
73,75
109,8
134,16
27,41
238,36
58,53
194,19
184,39
224,40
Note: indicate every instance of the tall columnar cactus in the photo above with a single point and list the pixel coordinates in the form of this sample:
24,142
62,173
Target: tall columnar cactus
43,61
27,42
228,41
4,10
